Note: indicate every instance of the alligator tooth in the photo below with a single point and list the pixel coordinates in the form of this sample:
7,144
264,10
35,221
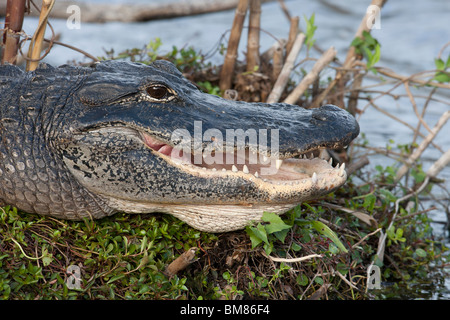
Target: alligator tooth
323,154
311,156
214,169
256,174
314,178
341,171
278,163
234,169
330,162
245,169
204,168
337,166
265,159
224,170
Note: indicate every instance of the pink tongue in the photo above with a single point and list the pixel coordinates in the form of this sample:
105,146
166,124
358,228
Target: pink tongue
164,148
152,143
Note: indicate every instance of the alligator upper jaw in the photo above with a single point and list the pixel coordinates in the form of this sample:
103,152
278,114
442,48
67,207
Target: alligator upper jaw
303,173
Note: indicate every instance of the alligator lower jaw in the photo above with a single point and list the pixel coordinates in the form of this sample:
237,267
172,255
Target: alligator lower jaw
312,176
208,218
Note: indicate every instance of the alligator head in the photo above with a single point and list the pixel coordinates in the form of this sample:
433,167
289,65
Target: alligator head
144,139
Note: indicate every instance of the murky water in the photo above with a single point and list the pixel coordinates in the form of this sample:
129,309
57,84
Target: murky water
411,34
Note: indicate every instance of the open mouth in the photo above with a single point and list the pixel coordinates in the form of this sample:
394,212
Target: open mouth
253,166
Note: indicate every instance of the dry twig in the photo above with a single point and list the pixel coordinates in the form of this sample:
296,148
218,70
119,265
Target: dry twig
292,260
323,61
36,42
351,54
277,62
226,74
13,25
180,263
253,59
283,79
423,145
293,32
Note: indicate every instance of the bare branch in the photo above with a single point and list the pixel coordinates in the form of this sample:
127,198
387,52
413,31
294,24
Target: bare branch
416,154
323,61
283,79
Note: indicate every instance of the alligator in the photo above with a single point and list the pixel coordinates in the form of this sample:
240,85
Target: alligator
117,136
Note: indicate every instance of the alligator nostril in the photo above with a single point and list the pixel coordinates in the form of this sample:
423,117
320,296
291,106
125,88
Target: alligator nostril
325,112
319,116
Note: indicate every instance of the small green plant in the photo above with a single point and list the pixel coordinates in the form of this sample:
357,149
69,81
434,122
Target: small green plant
395,235
152,49
187,60
207,87
369,48
274,228
442,75
310,31
324,230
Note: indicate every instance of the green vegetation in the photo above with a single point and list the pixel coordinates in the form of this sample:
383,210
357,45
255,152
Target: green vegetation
368,47
310,31
124,256
442,75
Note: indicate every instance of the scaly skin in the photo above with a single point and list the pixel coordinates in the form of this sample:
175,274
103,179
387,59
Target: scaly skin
90,142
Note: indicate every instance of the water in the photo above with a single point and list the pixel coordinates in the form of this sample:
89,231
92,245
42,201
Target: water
411,35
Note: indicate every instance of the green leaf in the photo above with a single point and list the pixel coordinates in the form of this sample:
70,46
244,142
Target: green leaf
369,40
390,232
357,42
333,249
116,277
326,231
302,280
440,65
369,202
257,234
442,77
368,54
387,195
296,247
268,247
421,253
281,235
369,47
376,56
342,268
275,223
399,233
47,258
310,30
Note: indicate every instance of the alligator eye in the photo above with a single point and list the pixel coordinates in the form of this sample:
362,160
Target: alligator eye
157,92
